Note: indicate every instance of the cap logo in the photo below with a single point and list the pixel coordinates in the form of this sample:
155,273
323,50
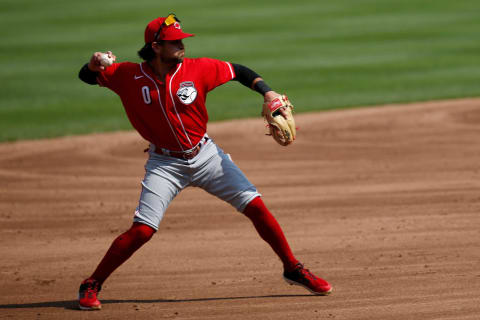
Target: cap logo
177,25
187,93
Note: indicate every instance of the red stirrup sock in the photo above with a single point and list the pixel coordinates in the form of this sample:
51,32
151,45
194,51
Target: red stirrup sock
270,231
121,249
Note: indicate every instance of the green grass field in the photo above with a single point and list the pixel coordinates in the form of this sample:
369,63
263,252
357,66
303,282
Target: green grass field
323,54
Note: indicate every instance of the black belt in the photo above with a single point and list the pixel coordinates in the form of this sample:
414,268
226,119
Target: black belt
187,155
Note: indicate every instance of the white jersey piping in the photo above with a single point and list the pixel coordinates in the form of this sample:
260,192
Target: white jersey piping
175,108
231,69
161,106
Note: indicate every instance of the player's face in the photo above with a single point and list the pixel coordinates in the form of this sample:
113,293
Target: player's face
172,51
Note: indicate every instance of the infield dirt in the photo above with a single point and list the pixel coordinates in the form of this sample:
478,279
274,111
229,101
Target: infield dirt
383,202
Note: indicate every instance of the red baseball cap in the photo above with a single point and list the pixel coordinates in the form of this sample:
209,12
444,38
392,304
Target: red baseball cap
165,28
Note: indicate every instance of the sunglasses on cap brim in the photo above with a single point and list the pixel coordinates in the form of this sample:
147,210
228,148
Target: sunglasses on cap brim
171,19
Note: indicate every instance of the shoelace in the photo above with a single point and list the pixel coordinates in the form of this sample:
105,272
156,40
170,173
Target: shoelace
305,273
308,275
90,289
91,292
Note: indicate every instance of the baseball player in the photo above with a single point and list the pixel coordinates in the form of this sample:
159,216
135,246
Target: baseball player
164,98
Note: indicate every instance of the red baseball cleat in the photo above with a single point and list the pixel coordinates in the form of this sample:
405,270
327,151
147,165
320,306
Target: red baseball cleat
303,277
87,295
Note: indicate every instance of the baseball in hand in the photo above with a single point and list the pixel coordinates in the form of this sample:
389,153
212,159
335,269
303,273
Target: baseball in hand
106,60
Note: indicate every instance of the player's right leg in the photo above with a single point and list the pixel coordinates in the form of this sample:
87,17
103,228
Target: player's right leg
163,181
121,249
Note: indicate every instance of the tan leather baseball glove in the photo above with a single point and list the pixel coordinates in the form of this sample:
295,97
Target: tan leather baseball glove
279,118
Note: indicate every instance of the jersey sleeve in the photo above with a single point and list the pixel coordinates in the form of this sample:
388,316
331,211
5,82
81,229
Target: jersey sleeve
110,77
216,72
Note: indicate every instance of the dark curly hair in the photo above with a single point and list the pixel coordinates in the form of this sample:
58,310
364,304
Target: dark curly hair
147,53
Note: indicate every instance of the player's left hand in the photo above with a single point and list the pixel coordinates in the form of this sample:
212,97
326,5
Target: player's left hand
277,112
272,95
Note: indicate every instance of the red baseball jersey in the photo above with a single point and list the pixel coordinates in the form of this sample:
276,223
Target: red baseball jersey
170,114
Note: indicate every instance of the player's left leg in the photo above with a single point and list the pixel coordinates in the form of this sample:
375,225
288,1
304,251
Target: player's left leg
270,231
220,176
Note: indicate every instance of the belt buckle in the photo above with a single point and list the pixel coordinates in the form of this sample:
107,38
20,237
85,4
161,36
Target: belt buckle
190,155
193,153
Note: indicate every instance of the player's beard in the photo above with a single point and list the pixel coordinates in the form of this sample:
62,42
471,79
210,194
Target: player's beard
171,59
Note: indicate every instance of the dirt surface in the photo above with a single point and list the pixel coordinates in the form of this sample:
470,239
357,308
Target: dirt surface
382,202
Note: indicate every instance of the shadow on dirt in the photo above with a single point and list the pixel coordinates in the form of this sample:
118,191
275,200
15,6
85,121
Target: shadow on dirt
73,304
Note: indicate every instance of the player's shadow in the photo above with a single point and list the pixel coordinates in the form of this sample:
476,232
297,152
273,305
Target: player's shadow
73,304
